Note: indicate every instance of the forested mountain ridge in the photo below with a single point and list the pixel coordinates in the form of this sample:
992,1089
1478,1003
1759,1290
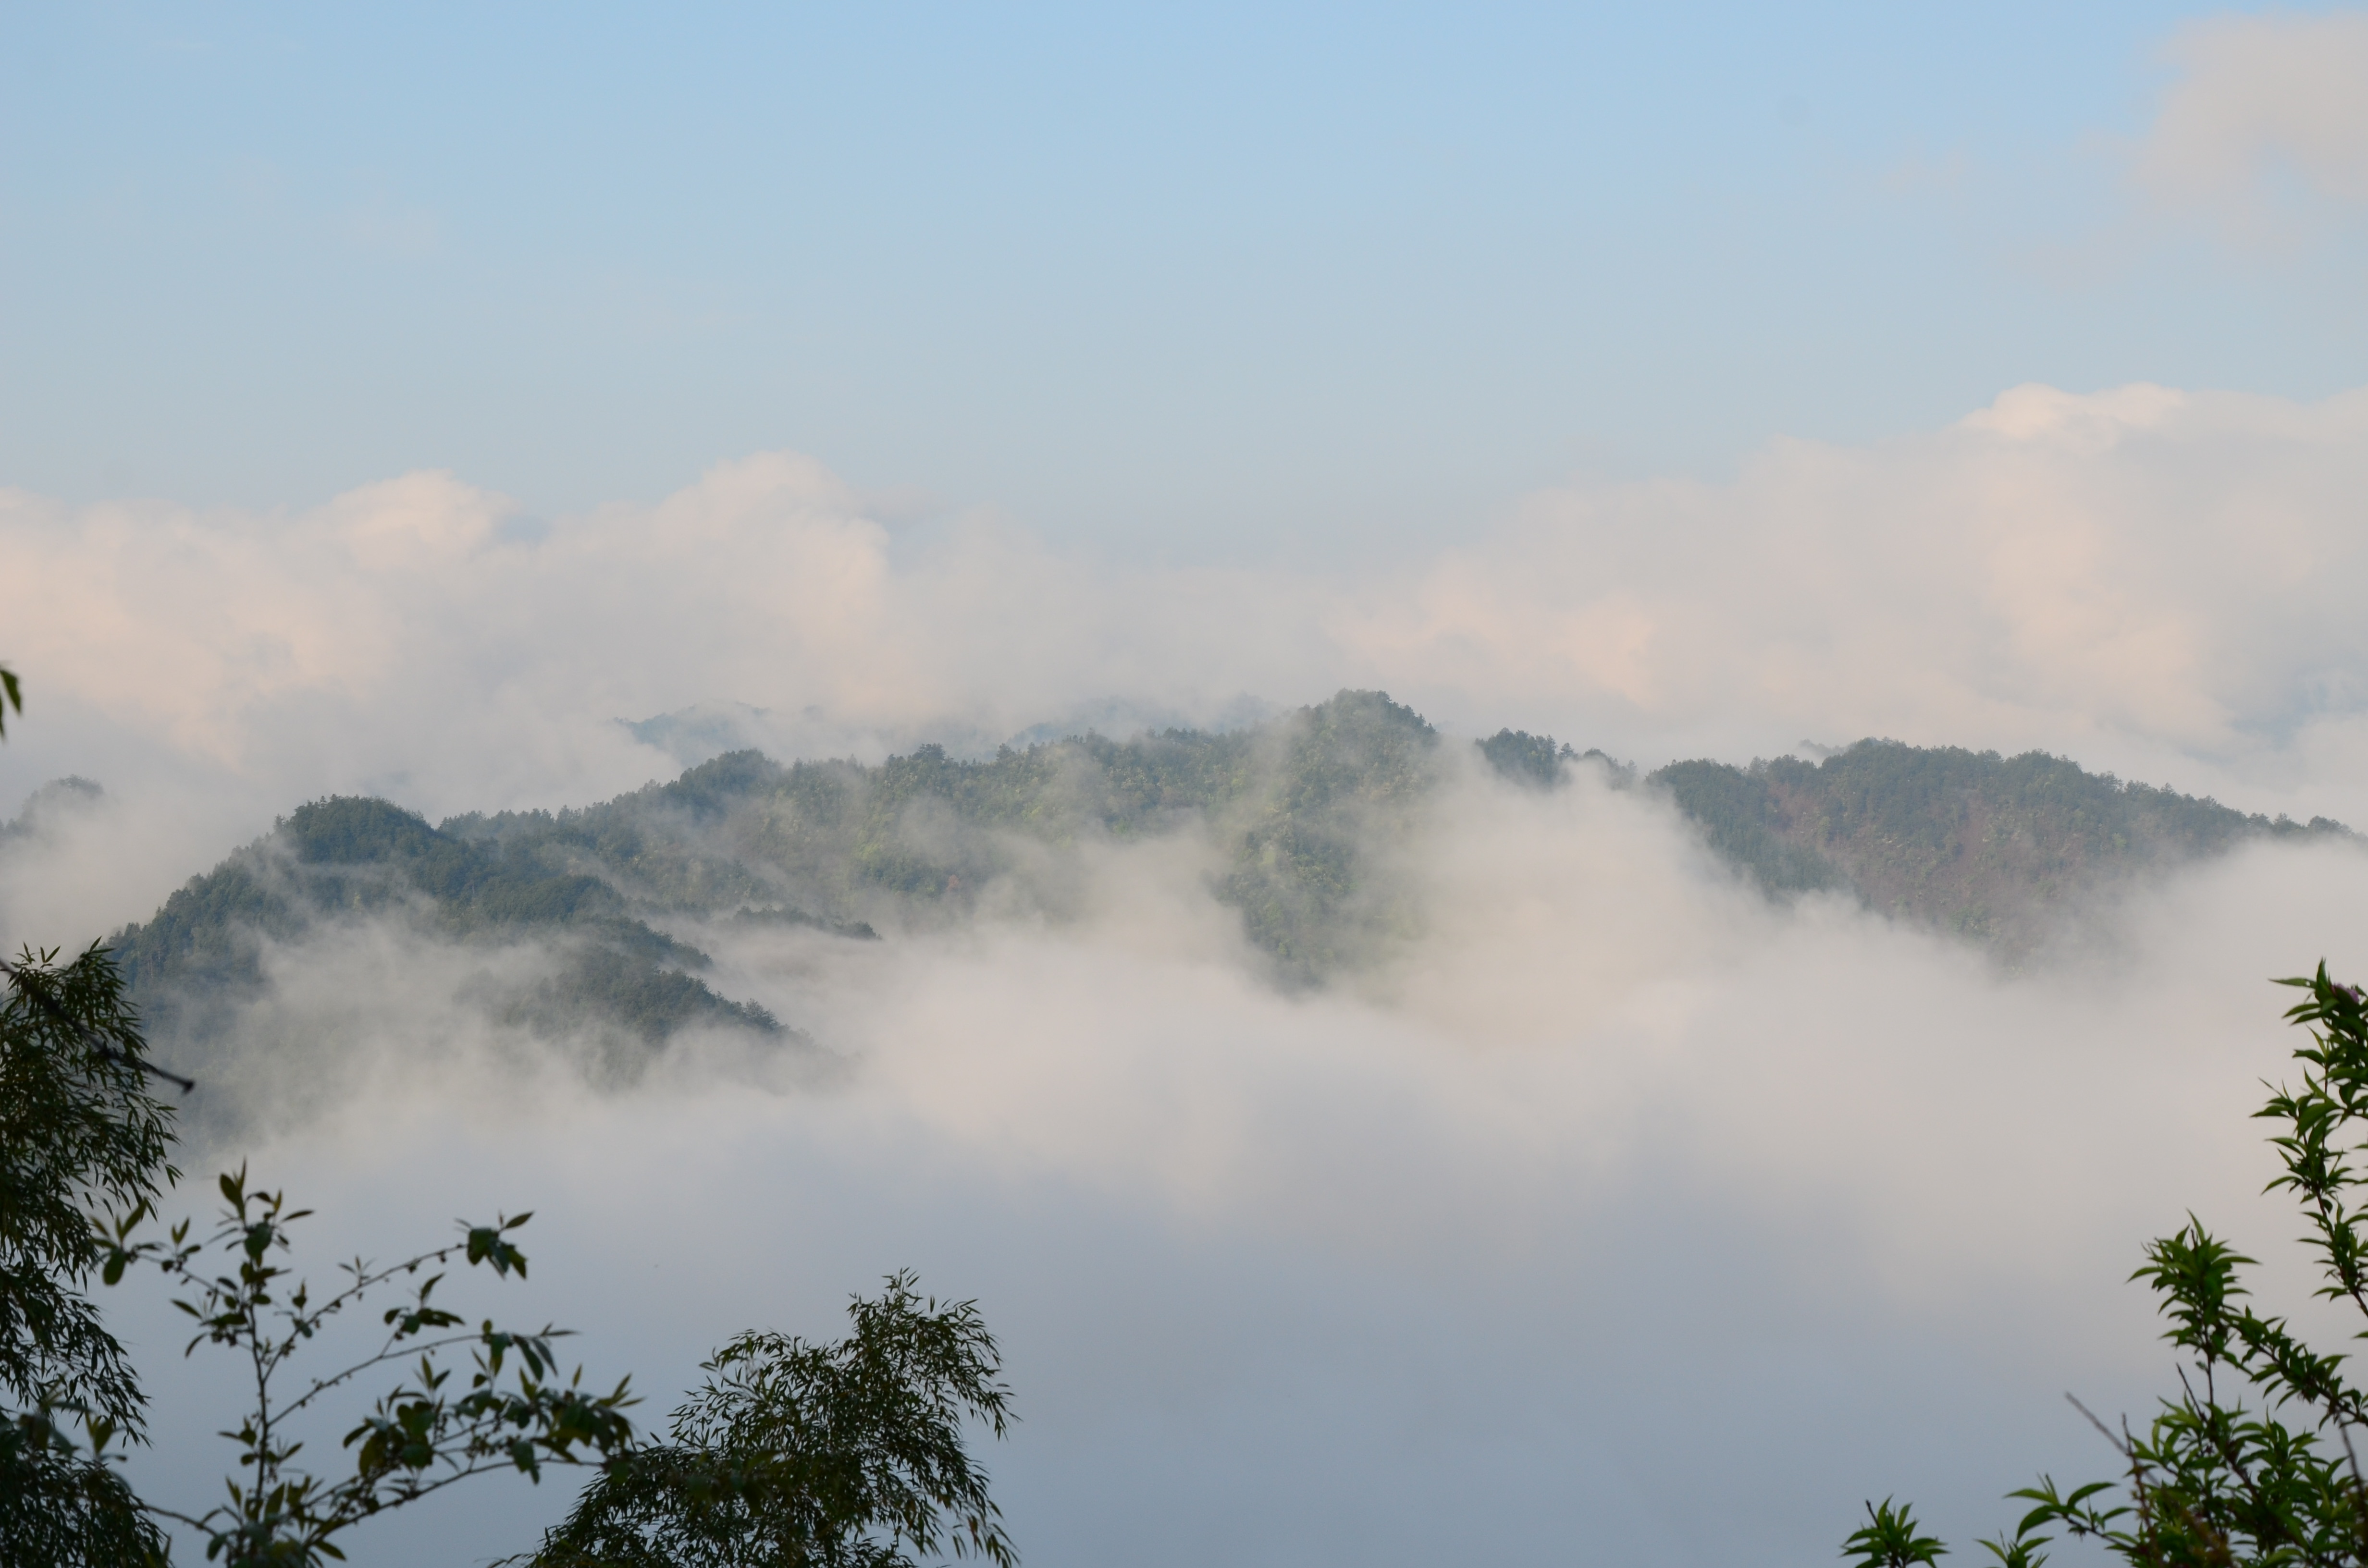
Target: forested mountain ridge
829,846
194,962
1984,845
1301,813
918,838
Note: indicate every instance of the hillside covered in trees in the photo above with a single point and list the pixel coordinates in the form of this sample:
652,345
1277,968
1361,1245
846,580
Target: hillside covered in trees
919,839
1990,847
198,962
1300,815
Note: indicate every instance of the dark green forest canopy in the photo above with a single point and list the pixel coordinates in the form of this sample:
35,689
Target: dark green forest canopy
1543,762
913,841
200,958
1986,846
833,847
1973,842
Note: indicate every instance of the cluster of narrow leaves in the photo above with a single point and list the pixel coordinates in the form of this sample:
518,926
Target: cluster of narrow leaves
793,1453
847,1455
429,1430
1889,1539
78,1129
84,1159
2255,1462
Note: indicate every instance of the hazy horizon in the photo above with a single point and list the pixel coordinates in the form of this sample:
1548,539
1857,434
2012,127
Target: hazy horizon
428,407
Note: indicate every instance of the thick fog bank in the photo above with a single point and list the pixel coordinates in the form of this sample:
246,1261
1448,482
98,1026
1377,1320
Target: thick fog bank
1616,1214
1605,1209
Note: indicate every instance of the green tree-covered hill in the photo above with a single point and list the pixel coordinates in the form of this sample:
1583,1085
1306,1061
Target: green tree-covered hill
192,966
917,840
1302,815
1992,847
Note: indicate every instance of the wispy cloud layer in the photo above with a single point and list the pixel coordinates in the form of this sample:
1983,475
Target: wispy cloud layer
2267,108
2143,578
1616,1212
1614,1175
1625,1208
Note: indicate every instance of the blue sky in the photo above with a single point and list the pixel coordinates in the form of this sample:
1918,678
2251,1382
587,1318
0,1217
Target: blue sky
1212,283
1660,378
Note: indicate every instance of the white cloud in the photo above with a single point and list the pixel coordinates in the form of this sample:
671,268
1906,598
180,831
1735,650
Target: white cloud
2262,100
2140,577
1611,1177
2143,578
1620,1192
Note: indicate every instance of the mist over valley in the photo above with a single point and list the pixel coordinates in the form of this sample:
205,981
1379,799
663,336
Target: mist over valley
1315,832
1463,785
1347,1062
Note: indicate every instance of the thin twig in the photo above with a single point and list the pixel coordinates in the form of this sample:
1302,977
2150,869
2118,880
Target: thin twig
2119,1446
28,985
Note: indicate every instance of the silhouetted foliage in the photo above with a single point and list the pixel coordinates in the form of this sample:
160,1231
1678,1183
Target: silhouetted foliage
2213,1480
1889,1538
82,1162
795,1455
425,1433
79,1130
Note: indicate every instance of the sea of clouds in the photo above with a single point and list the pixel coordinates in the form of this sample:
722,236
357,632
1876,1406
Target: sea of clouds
2146,579
1621,1215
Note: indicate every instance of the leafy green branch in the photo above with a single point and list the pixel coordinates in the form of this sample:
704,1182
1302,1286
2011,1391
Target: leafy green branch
844,1455
2213,1480
428,1431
